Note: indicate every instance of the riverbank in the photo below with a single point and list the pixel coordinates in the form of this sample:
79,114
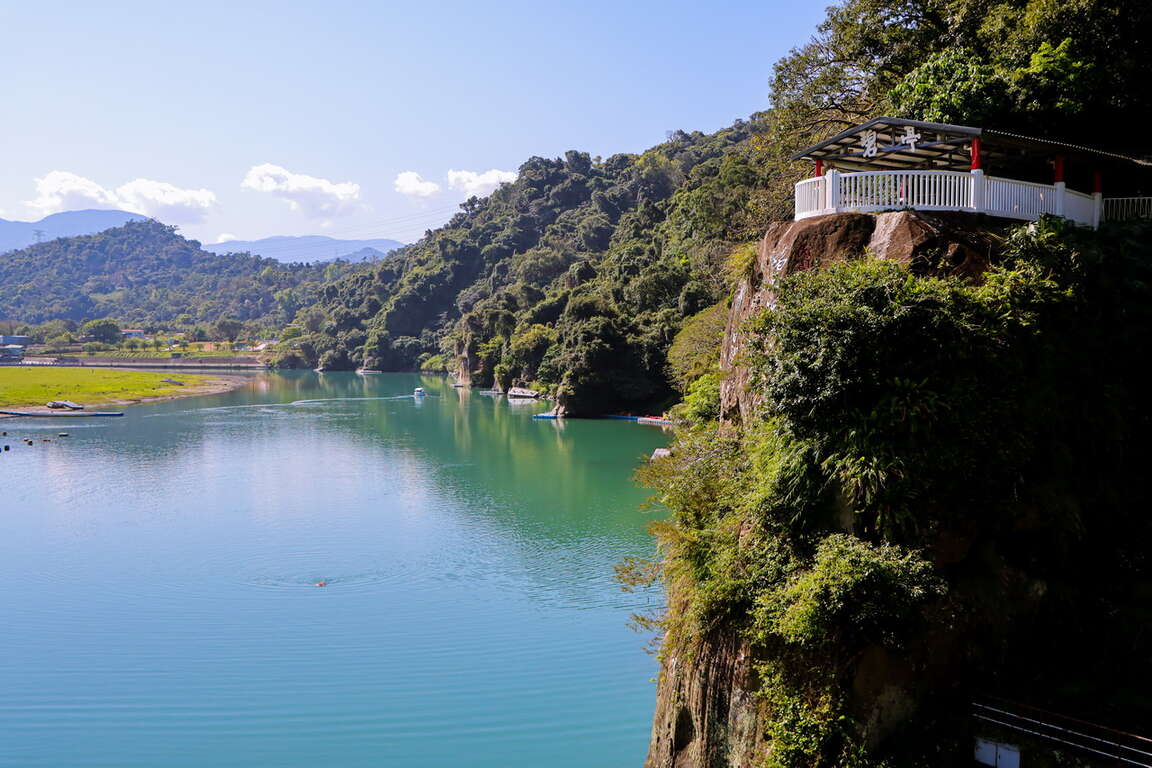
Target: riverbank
182,363
28,388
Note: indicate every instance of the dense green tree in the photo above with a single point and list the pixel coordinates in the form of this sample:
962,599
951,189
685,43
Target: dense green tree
226,329
105,330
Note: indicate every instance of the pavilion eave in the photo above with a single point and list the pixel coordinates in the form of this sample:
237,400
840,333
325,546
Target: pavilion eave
937,146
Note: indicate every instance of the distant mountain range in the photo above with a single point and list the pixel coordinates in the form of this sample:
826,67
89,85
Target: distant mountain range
21,234
309,248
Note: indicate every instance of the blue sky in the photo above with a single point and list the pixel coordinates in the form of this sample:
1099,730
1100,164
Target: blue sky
346,118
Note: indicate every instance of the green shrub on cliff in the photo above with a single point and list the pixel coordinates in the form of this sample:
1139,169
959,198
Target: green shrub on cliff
947,478
874,592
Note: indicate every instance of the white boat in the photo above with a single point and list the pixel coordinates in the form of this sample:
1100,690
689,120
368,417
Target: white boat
419,392
367,371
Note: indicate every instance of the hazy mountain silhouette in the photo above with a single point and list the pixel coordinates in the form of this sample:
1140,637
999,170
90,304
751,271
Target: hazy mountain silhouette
20,234
308,248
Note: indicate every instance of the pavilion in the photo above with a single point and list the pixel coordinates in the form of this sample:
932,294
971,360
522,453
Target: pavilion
890,163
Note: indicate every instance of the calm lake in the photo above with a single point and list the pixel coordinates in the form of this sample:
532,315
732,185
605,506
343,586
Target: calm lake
158,605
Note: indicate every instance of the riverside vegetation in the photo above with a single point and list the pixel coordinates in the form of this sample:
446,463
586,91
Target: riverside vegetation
939,493
945,474
572,279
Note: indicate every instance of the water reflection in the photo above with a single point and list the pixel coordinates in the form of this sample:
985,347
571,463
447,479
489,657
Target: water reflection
161,606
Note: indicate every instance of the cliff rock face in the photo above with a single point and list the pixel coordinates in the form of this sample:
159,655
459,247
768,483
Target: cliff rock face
707,712
706,709
929,243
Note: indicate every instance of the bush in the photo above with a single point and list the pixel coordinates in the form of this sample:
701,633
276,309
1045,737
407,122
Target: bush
853,592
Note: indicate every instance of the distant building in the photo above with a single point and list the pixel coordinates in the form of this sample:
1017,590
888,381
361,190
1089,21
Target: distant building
11,353
22,341
132,333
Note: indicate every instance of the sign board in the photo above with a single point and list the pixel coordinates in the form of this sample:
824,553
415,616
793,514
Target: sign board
909,138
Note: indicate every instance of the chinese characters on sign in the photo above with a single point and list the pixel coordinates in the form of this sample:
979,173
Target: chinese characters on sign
909,138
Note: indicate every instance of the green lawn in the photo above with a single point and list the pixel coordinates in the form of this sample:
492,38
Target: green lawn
26,385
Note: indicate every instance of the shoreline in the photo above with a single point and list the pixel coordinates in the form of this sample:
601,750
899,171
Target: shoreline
217,384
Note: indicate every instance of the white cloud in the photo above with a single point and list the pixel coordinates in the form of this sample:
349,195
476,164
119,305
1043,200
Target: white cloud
410,183
65,191
480,184
166,202
315,197
224,237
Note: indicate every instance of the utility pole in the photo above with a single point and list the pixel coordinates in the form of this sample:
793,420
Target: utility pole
39,234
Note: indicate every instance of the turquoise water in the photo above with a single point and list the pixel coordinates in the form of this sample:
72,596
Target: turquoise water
158,605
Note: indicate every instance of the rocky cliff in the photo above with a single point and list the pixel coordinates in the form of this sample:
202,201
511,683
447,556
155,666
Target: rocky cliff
945,244
708,714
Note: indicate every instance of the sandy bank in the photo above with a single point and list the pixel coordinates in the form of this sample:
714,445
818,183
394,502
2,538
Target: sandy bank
214,385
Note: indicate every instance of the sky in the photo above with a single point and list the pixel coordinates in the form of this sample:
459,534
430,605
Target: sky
242,120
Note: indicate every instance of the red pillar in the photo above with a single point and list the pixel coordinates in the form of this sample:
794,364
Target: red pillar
1097,183
1058,169
819,167
975,150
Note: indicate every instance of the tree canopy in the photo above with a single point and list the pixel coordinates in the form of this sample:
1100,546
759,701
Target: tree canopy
574,278
144,273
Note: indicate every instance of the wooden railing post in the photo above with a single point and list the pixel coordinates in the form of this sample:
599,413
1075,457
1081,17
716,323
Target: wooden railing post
1097,199
977,189
1060,191
832,180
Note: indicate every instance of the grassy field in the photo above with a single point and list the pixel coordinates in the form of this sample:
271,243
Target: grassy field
22,386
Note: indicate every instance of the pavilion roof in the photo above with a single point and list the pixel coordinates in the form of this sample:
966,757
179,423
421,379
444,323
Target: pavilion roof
938,146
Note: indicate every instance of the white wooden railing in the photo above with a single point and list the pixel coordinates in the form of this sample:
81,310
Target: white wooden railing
811,197
1019,199
871,191
1124,208
1079,206
927,190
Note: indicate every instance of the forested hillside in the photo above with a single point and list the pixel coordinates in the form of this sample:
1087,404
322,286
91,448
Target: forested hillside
145,273
574,278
